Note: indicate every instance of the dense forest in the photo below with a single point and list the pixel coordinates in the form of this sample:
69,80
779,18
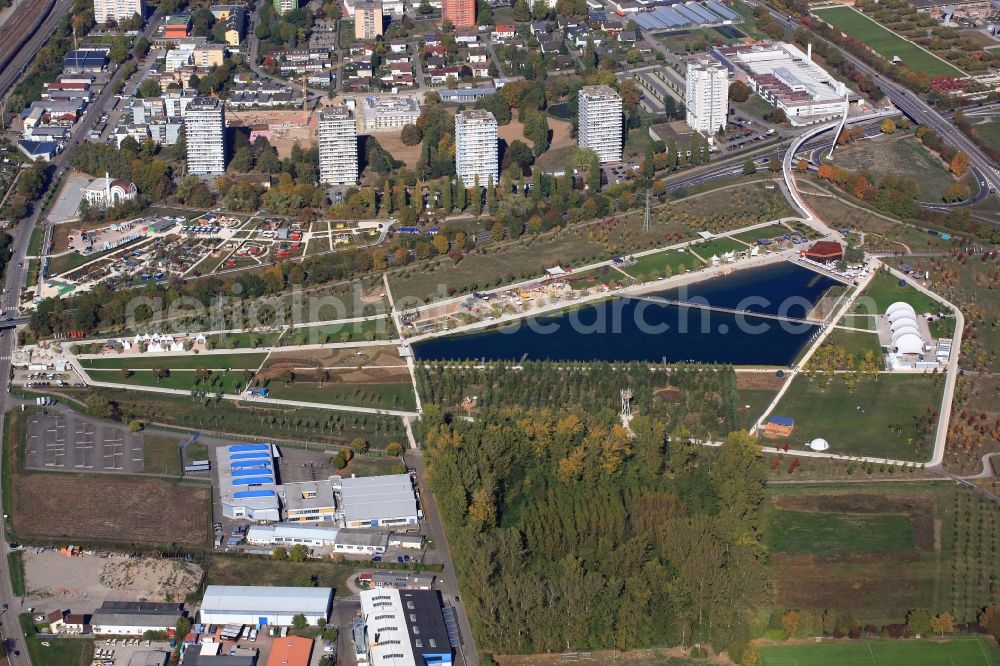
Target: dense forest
690,400
570,532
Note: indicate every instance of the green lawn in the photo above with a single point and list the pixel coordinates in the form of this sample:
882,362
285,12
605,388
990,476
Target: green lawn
817,532
884,290
960,651
255,570
876,419
244,340
856,343
858,321
943,327
160,455
717,246
231,382
15,564
770,231
370,329
656,265
885,42
989,132
758,399
250,361
59,651
35,243
388,396
367,466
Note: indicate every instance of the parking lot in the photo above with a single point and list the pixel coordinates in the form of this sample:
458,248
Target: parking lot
119,651
68,442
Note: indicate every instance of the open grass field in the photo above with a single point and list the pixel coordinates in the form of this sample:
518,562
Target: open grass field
717,246
253,570
368,466
770,231
960,651
883,154
249,361
160,455
370,329
663,264
885,42
884,290
989,132
876,419
301,424
811,532
243,340
395,395
185,380
858,321
856,343
59,651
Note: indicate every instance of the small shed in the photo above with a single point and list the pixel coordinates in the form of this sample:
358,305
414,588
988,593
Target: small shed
779,426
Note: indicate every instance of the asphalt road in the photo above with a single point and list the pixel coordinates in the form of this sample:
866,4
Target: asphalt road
918,110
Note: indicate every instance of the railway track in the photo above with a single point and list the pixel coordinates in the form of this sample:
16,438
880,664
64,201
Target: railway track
20,27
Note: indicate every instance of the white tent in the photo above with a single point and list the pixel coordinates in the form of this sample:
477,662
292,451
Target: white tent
819,444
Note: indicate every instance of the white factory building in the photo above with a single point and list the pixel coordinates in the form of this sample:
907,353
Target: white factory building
476,147
706,95
402,628
344,541
377,501
117,10
600,122
785,77
259,605
205,124
338,146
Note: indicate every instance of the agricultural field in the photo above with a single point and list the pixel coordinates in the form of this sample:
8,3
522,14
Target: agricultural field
882,549
884,290
893,416
959,651
887,43
883,154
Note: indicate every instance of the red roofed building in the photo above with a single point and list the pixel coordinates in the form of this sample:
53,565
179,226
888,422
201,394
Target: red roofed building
290,651
824,252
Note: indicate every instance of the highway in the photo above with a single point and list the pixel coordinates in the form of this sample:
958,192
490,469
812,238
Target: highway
910,103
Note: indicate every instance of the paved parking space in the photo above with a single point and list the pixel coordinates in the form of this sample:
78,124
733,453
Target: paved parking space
69,442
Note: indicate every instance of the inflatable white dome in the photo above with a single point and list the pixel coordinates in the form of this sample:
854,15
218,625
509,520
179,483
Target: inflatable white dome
819,444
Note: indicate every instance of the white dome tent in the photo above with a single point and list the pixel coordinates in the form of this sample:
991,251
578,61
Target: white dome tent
903,327
819,444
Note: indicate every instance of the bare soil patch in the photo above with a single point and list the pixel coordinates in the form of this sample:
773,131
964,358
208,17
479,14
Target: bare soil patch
285,128
77,508
392,143
333,357
85,581
759,380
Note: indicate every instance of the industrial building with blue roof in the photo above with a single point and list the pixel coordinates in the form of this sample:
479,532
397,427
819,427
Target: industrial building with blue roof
248,485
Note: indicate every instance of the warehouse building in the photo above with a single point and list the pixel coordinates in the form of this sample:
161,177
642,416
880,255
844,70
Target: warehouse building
309,502
258,605
404,628
377,501
349,542
134,618
247,483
